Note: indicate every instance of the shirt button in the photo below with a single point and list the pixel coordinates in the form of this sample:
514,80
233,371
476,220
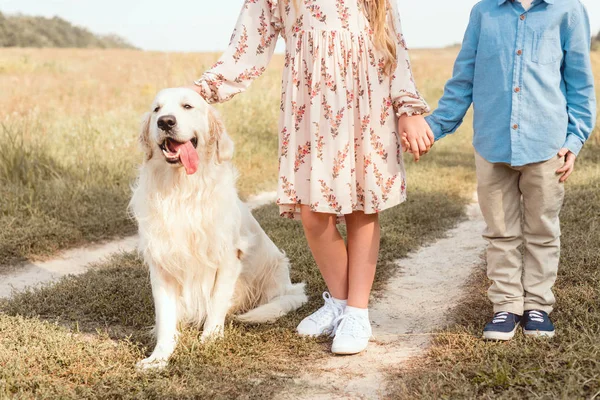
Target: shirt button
517,89
522,17
515,127
519,52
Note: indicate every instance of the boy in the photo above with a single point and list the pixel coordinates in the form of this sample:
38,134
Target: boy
526,68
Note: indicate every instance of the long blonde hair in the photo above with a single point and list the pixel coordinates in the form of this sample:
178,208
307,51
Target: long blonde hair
384,36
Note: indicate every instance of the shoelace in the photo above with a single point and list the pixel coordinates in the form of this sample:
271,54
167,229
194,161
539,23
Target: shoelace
500,318
536,316
350,324
330,309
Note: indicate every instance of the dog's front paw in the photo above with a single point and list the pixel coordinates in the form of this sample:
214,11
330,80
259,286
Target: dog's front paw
152,364
213,333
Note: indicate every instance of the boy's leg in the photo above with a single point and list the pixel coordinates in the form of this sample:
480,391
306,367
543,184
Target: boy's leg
363,251
328,249
500,203
542,200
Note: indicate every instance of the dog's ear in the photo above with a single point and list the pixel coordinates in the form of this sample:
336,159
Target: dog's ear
222,139
145,136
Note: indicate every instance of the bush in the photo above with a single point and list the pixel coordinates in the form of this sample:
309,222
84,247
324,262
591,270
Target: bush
27,31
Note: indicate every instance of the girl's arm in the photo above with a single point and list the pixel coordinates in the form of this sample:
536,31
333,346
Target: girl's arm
406,98
408,103
458,93
579,80
251,48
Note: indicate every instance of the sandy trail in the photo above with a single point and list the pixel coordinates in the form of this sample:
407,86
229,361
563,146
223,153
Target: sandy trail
77,261
414,304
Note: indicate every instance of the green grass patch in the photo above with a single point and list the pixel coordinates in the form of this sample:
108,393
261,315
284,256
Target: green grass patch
81,337
461,365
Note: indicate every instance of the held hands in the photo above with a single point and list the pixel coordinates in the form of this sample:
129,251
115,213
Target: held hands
569,166
417,137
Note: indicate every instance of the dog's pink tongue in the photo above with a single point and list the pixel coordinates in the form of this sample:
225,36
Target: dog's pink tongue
188,156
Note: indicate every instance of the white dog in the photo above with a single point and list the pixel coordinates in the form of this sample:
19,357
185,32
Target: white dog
207,254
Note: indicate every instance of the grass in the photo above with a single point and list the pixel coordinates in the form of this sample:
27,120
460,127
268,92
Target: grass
81,337
461,365
70,147
69,125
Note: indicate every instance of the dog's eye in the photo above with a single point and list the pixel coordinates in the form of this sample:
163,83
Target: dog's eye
157,109
187,106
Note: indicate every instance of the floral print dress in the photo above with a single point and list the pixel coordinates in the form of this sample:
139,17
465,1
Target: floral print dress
339,149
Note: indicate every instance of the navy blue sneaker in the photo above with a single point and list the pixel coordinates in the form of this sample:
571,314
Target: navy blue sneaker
538,324
502,327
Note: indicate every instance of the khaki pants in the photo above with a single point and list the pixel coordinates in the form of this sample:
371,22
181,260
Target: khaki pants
521,282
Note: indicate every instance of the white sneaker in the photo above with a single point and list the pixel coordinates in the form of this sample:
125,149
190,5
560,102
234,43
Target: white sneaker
352,334
321,321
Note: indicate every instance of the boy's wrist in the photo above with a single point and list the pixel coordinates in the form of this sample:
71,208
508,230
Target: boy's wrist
573,143
436,128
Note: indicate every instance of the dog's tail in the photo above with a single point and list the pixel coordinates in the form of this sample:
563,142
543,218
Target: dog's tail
291,300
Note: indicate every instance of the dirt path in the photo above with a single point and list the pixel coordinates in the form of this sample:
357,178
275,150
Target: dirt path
76,261
414,304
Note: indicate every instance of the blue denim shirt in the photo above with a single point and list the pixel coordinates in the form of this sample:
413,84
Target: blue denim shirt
529,77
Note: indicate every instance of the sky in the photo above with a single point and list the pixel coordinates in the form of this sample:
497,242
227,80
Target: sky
206,25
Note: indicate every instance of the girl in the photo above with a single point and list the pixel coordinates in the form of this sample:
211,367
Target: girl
526,68
347,92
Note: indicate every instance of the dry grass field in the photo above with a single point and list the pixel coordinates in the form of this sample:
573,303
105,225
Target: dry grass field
69,121
69,127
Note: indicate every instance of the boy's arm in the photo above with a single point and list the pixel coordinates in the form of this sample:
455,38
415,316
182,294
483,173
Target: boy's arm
458,93
252,45
579,80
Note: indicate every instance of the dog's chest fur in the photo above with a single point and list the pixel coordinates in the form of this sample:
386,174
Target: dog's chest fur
187,224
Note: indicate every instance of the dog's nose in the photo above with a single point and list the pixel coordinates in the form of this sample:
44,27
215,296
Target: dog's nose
167,122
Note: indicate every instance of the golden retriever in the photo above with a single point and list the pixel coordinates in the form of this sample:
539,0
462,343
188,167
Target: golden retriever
206,253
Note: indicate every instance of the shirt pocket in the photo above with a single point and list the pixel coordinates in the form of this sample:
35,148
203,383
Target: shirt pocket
546,49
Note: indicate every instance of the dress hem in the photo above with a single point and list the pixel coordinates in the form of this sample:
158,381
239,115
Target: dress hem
291,210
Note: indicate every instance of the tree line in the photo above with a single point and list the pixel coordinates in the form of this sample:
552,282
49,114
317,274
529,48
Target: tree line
28,31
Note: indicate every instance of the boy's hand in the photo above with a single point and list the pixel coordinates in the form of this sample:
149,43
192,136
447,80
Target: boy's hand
569,166
417,137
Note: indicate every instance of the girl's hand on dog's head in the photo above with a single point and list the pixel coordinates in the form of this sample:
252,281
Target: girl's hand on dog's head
195,88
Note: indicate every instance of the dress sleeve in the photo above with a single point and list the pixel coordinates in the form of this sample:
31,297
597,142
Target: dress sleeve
406,98
251,48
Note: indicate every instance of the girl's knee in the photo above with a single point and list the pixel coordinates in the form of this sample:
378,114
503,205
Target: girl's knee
314,222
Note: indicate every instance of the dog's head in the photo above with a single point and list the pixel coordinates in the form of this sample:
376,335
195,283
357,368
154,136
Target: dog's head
183,130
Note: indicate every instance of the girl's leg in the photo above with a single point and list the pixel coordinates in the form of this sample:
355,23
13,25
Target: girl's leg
328,249
363,251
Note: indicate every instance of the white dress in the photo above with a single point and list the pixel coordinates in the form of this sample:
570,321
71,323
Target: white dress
339,149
